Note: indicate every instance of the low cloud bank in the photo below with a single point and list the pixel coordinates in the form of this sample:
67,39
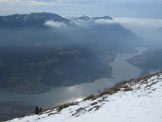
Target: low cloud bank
54,24
140,26
140,23
105,21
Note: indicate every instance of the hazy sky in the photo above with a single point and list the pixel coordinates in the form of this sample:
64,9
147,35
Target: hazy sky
114,8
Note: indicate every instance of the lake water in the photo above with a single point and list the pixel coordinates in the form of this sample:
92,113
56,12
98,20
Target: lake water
121,70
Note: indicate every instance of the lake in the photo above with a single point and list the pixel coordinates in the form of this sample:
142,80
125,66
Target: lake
121,70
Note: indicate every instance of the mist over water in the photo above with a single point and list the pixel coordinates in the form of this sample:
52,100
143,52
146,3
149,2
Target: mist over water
47,59
103,46
121,70
147,28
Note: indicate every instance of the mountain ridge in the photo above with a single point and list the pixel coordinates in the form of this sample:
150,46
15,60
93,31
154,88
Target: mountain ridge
34,57
39,20
140,96
30,20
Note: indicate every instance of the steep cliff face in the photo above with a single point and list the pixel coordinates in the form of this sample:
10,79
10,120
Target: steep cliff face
135,100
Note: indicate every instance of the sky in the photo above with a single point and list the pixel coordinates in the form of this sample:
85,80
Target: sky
113,8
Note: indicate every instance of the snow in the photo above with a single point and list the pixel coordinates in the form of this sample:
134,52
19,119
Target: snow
142,104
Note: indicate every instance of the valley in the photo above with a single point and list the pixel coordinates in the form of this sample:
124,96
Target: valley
46,59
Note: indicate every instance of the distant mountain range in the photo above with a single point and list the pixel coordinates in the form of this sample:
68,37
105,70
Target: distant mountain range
87,18
34,60
39,19
30,20
35,57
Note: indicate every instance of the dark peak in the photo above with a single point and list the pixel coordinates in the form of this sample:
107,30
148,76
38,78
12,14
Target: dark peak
41,15
32,14
44,14
107,17
84,18
104,17
87,18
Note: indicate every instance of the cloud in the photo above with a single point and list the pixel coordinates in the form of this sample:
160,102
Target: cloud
54,24
140,26
150,24
105,21
32,2
120,8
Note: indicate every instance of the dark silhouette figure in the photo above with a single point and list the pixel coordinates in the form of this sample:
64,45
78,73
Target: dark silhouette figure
38,110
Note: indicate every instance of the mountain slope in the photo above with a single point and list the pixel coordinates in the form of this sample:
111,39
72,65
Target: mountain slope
35,59
30,20
14,109
90,19
149,61
130,101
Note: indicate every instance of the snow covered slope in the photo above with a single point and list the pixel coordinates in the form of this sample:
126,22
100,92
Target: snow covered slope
138,100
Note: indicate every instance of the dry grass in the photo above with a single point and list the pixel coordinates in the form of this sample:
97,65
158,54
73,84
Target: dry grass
90,97
94,103
123,85
60,107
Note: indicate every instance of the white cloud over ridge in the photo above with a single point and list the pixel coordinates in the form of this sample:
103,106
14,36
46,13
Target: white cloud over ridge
151,24
54,24
140,26
105,21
